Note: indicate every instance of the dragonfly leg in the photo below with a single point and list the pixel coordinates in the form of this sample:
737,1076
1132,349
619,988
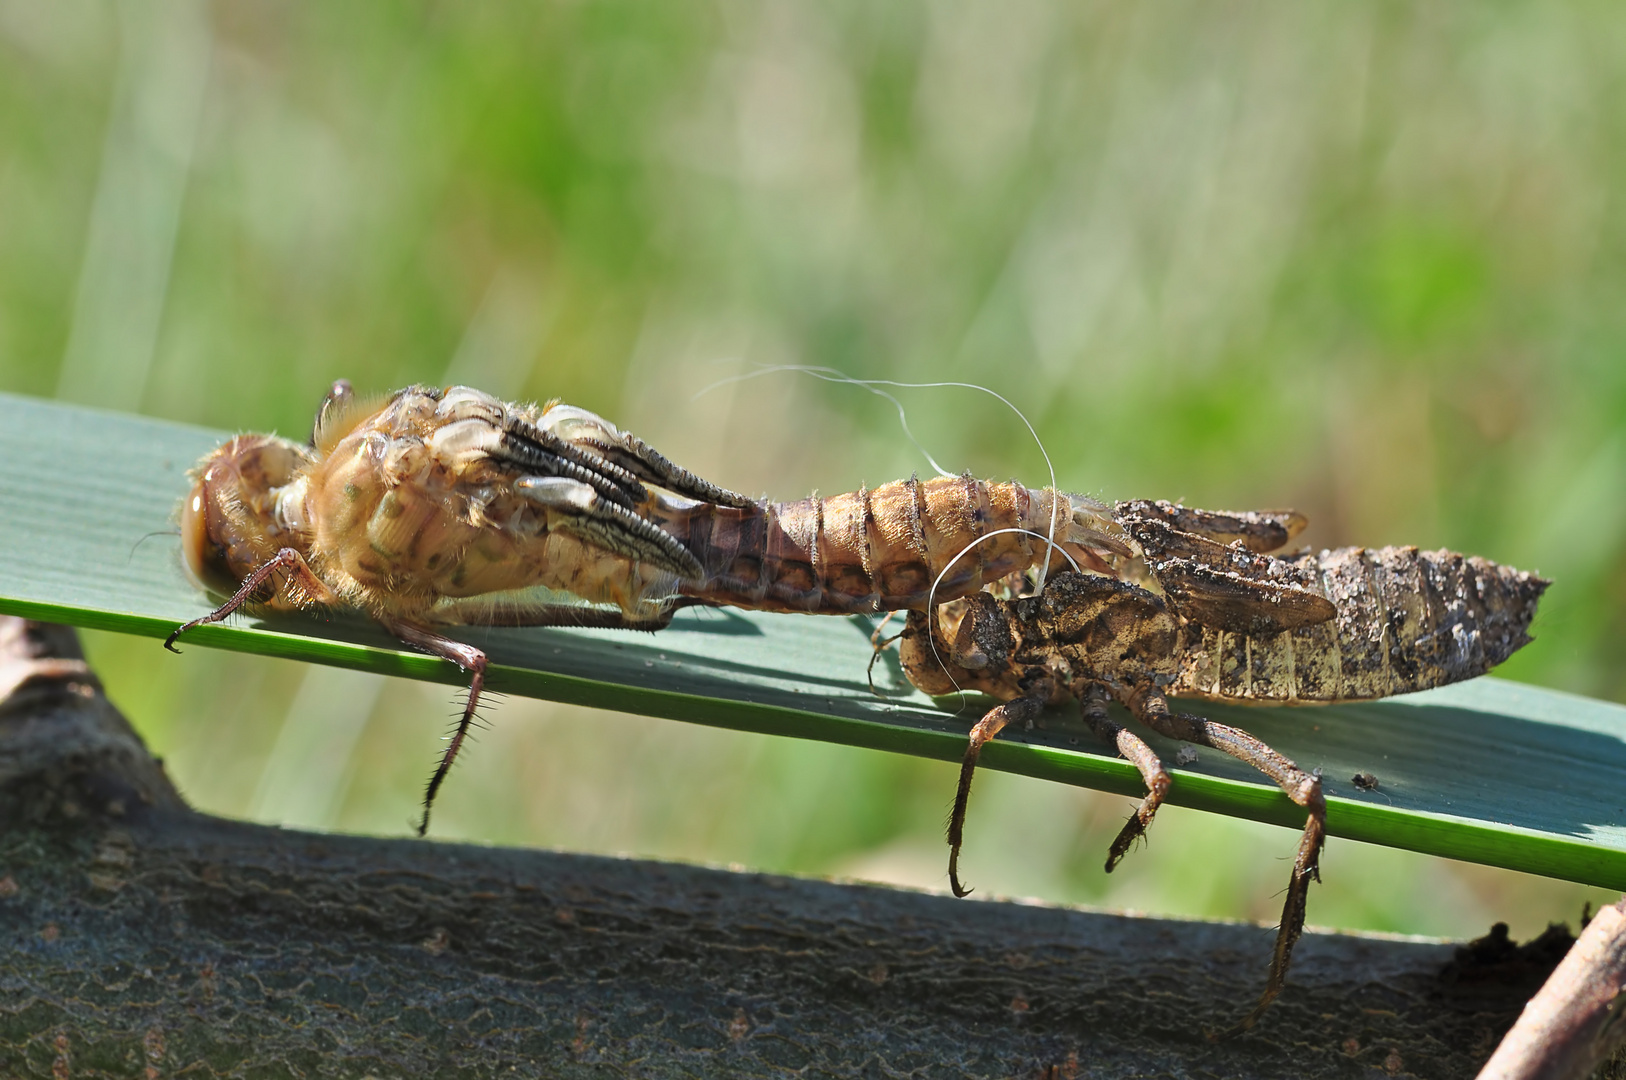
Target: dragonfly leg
287,560
1019,711
1143,757
1304,788
471,660
879,645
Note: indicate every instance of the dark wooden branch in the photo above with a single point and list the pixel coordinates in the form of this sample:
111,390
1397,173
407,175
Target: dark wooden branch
143,939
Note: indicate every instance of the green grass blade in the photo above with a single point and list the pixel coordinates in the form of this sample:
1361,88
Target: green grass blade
1487,771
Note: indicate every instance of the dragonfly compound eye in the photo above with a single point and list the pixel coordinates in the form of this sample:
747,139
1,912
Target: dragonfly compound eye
228,522
205,556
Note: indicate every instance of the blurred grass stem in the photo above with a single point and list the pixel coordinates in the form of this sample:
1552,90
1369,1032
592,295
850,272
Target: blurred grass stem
118,311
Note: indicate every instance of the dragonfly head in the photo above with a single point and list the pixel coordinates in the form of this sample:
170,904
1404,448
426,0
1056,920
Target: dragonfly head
229,521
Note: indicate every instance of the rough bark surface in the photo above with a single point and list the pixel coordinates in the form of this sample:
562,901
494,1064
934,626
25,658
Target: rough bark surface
143,939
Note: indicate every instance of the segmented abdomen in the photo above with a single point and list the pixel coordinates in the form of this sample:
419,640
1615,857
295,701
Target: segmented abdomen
882,549
1407,620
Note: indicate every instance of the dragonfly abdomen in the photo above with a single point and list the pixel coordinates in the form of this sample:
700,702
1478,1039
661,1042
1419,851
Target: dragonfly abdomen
894,547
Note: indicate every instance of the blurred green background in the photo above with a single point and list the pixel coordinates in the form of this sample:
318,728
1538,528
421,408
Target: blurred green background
1365,260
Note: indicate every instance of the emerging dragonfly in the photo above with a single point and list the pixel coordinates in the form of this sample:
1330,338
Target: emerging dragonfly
434,508
1228,622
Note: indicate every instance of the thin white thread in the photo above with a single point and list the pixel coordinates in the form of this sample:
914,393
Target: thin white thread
157,532
835,375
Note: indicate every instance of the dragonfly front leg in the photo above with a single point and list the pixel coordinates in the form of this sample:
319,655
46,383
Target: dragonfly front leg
312,590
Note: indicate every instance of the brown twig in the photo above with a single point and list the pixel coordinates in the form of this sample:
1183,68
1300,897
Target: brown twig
1573,1024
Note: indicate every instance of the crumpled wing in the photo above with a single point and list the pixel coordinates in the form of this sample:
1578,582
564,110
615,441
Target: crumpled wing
578,508
583,493
596,435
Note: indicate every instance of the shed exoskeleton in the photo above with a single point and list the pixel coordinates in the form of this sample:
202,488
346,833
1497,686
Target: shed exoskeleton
1204,612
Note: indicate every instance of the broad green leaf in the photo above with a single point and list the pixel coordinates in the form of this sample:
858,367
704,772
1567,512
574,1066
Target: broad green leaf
1488,771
